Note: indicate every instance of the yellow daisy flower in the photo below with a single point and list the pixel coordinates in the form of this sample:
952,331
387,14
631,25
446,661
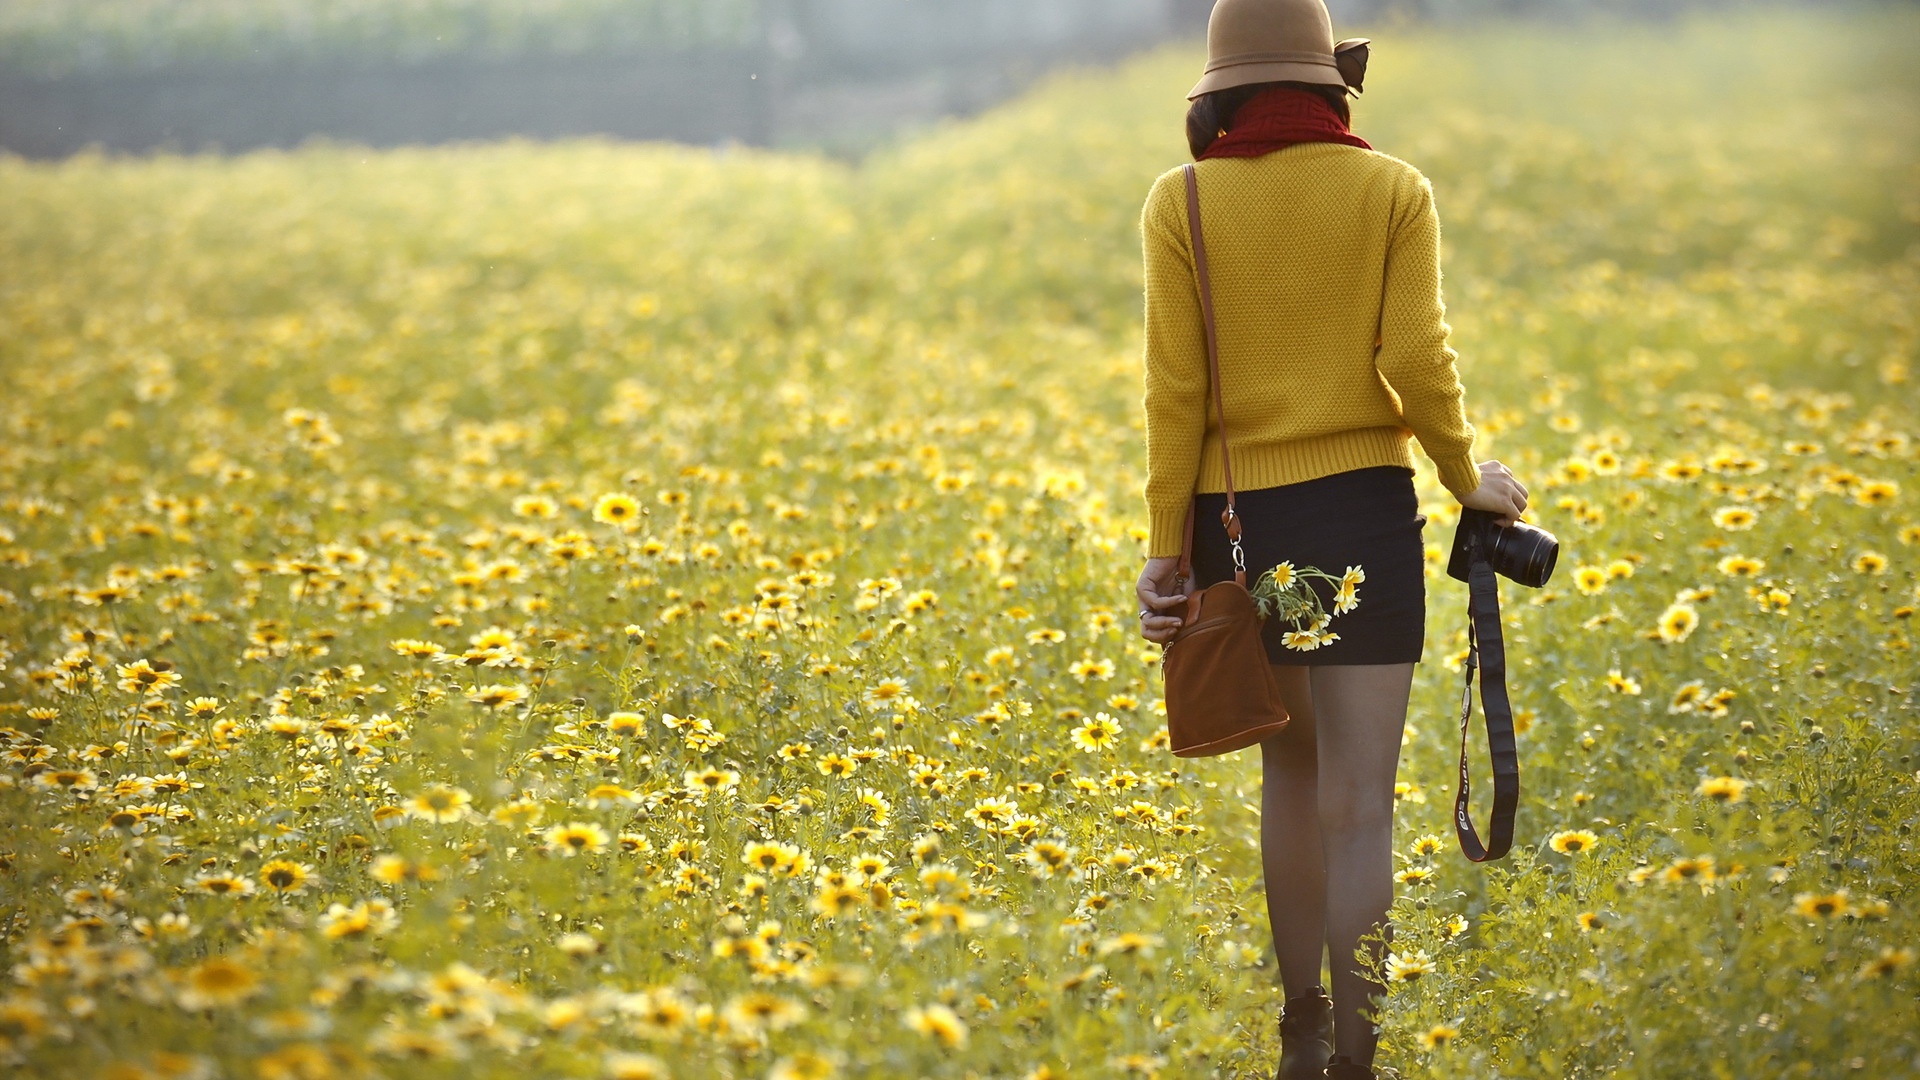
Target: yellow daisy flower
616,509
1572,841
441,804
1735,518
938,1023
575,838
217,983
1877,493
1407,967
1677,622
1099,733
285,876
1724,789
1821,905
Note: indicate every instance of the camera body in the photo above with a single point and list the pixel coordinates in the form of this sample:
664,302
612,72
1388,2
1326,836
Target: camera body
1522,552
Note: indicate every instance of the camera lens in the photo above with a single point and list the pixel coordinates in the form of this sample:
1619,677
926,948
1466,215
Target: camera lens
1524,553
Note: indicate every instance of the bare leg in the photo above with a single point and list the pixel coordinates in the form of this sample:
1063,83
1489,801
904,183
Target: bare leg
1290,859
1360,713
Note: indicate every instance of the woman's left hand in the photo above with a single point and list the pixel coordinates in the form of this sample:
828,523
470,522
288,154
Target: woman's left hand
1158,599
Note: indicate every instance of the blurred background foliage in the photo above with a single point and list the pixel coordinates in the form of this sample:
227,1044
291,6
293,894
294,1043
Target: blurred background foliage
53,37
69,36
845,75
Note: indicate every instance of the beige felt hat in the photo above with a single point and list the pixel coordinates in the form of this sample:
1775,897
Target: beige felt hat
1255,41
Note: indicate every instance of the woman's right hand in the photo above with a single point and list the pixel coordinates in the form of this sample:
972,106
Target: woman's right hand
1160,603
1499,493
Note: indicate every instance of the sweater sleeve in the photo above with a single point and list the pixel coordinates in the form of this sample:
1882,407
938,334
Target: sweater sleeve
1176,365
1414,356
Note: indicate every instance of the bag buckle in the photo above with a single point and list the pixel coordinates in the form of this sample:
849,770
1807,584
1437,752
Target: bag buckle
1231,520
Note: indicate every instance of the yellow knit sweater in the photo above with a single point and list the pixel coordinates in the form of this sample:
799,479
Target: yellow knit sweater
1325,263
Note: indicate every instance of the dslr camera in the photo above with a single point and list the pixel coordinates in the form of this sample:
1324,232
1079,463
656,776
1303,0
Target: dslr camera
1519,551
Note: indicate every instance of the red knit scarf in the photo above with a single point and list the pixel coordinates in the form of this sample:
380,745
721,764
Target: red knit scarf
1280,116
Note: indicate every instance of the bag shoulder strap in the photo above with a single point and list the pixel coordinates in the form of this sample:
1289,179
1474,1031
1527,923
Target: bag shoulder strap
1229,518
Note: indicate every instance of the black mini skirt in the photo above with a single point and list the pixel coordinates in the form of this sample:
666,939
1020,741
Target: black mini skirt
1368,518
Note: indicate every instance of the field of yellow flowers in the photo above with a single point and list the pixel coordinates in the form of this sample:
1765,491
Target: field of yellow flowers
634,611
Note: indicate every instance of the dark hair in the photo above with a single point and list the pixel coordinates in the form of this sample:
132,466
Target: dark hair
1212,113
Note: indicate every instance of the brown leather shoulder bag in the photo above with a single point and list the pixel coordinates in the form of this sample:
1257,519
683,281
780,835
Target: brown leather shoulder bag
1220,692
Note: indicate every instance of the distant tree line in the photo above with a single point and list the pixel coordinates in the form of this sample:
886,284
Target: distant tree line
69,37
235,74
64,37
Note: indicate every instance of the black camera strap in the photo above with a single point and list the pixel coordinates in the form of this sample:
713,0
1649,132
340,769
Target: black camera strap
1487,651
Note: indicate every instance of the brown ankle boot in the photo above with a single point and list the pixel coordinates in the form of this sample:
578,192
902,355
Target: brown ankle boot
1306,1036
1342,1067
